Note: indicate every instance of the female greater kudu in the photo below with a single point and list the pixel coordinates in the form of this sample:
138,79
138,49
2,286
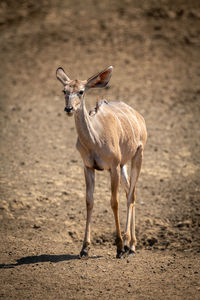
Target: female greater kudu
108,137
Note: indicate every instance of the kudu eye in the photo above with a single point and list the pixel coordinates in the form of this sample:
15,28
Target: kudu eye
81,92
64,92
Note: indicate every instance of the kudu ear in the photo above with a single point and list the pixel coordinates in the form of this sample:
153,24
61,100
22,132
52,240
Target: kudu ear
100,80
61,76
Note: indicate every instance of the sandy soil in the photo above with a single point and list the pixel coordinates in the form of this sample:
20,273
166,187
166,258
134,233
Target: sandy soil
155,51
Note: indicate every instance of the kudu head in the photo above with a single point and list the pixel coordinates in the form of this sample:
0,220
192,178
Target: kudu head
74,89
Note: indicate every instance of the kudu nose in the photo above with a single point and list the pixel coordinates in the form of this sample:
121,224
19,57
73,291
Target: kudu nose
68,109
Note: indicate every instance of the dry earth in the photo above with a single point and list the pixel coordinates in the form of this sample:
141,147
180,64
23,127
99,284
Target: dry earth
155,49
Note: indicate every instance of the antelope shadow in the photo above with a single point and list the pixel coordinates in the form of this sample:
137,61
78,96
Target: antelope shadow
27,260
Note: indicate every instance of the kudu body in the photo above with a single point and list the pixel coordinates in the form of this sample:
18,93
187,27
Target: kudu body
108,137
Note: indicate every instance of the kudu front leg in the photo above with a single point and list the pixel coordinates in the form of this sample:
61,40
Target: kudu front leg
115,181
89,180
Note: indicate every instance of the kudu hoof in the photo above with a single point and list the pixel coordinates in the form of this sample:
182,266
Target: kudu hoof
131,253
120,254
126,249
128,252
83,253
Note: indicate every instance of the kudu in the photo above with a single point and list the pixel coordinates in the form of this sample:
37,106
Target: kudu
108,137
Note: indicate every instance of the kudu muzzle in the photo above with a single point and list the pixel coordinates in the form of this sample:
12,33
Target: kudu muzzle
68,106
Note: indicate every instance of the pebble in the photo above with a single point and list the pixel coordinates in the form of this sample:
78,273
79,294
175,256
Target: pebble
181,111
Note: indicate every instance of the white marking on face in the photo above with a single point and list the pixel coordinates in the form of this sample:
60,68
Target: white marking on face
72,96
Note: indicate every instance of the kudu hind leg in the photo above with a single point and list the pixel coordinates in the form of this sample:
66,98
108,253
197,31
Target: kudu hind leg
89,180
129,237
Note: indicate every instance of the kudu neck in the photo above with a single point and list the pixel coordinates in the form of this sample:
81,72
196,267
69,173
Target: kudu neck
88,136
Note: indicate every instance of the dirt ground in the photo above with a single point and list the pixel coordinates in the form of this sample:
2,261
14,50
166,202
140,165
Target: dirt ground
154,47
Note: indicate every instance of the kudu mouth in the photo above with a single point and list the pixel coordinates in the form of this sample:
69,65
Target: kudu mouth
69,111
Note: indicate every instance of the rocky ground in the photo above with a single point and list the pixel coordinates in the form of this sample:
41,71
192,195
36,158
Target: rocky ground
154,49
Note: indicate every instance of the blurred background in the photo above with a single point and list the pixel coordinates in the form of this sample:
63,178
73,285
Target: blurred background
154,48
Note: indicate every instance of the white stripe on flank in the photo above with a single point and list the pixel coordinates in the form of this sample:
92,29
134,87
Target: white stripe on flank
134,137
120,124
133,115
104,112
